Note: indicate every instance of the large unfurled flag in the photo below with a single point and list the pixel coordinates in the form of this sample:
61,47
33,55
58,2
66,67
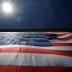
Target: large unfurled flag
35,51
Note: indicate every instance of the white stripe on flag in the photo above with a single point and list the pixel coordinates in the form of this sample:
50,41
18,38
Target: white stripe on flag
59,41
31,59
63,36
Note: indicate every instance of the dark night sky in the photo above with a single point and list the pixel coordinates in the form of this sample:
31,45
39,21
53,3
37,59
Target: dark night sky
38,14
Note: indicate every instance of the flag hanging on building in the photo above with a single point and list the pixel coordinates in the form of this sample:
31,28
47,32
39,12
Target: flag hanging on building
35,51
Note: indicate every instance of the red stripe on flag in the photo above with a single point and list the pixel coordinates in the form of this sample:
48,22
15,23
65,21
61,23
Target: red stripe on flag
58,33
34,69
36,50
62,44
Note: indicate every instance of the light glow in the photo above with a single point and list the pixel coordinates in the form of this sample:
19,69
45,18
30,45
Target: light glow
7,7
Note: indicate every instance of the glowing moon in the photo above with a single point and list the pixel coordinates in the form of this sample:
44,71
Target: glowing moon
7,7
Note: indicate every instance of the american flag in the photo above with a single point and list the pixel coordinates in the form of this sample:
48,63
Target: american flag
35,51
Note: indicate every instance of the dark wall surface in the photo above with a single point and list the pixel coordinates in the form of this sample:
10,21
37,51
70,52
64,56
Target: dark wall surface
38,14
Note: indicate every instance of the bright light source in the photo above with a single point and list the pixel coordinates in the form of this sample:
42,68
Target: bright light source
7,7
